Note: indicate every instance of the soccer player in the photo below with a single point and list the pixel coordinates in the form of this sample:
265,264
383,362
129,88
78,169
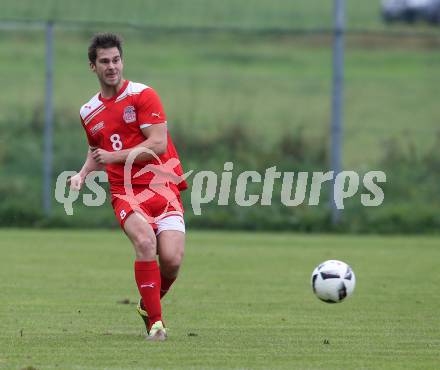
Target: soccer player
124,117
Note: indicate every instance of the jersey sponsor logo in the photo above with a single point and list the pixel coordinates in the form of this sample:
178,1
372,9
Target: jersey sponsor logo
129,114
156,115
97,127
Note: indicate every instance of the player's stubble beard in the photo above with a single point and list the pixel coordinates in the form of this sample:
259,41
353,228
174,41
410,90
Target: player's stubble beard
111,84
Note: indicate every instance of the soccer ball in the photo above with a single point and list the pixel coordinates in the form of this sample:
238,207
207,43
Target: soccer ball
333,281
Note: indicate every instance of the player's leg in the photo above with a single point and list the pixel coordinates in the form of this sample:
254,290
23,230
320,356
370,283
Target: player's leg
142,236
171,246
147,272
171,242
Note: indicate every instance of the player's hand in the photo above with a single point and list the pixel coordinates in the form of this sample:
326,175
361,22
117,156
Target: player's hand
102,156
76,182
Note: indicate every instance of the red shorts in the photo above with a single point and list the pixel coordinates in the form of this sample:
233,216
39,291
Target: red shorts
153,206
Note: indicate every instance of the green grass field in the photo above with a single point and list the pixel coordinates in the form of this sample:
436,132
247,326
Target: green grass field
242,301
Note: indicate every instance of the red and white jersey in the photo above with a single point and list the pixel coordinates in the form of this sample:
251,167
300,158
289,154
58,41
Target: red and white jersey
115,124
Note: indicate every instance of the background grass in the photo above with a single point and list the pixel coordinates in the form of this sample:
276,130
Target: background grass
270,87
248,15
242,301
195,13
258,98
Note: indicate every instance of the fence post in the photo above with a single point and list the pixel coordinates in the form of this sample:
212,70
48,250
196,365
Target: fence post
337,99
48,123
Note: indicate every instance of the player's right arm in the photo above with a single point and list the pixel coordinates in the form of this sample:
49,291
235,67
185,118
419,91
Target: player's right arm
77,181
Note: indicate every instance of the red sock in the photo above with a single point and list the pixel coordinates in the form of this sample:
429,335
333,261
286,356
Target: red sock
165,284
147,276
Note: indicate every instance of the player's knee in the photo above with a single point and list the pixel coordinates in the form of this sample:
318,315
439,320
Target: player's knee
174,264
145,246
177,261
171,264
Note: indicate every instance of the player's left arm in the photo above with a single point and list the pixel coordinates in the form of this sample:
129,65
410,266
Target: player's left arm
155,143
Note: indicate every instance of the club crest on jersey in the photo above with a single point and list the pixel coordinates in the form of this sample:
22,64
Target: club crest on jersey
129,114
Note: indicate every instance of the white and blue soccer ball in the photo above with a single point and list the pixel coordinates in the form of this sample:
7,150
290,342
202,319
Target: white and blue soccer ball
333,281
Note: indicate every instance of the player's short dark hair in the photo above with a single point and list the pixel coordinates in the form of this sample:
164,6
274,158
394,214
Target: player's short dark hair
104,41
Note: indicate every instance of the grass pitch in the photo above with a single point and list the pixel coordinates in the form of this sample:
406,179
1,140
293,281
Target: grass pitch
242,301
